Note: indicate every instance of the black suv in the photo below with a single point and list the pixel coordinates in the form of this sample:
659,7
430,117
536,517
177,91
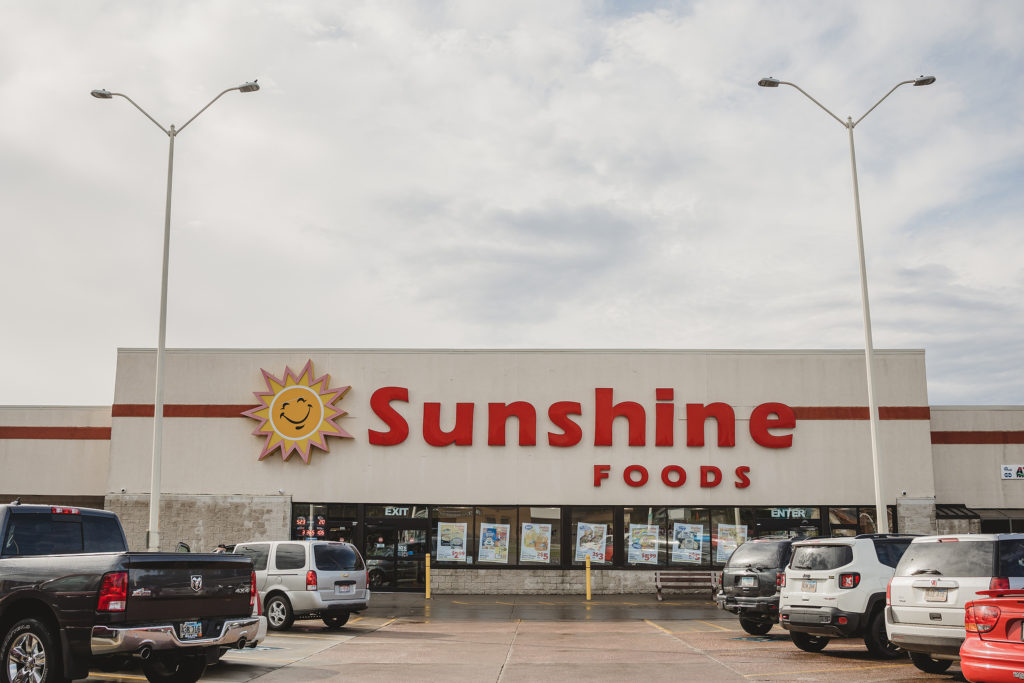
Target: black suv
750,582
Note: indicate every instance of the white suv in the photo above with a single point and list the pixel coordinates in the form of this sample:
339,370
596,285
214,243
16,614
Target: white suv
835,588
308,579
933,581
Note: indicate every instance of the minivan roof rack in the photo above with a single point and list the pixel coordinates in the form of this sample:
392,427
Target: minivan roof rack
885,535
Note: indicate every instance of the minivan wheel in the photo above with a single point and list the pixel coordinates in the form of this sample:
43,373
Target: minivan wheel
279,613
755,627
807,642
931,666
336,621
878,641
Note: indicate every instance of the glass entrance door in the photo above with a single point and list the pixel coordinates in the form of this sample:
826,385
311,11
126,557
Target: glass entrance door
395,557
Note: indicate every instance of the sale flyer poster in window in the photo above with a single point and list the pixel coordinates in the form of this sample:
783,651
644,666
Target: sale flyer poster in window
687,542
643,544
451,542
590,541
730,536
535,543
493,543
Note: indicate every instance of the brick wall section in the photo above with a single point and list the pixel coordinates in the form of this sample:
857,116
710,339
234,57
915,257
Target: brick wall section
543,582
203,521
916,515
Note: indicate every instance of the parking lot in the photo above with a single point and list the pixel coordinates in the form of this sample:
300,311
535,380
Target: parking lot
514,639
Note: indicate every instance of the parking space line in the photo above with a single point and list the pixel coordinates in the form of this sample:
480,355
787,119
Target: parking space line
720,628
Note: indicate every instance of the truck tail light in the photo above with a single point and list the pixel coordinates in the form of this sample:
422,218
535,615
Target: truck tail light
980,618
849,580
999,583
254,595
780,580
311,580
61,510
113,592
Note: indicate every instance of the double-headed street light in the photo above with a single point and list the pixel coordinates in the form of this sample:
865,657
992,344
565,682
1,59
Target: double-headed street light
882,518
153,534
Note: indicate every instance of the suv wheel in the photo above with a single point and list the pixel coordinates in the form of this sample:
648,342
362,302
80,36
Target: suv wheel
878,642
807,642
336,621
755,627
279,613
925,663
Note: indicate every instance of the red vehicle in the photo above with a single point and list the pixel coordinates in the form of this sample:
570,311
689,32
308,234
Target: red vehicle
993,650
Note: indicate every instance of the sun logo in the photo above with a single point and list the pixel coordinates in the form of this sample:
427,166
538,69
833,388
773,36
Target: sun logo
297,413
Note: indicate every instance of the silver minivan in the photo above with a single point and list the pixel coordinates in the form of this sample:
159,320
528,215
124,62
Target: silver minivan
308,580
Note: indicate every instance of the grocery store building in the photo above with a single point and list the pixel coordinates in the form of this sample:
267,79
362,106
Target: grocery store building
509,467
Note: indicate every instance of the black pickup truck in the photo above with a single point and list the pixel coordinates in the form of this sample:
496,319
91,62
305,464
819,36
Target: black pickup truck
73,598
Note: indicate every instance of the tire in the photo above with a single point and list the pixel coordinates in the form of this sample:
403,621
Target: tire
280,616
174,669
336,621
878,641
755,627
807,642
30,652
930,666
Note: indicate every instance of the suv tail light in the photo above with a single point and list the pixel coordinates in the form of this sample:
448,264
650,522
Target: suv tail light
780,580
113,592
849,580
980,618
999,583
888,594
311,580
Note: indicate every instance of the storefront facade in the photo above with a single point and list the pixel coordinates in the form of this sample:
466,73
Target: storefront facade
518,464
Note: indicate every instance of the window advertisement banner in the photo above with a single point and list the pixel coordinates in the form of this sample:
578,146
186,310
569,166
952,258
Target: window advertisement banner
451,541
730,536
643,544
590,541
493,543
535,543
687,542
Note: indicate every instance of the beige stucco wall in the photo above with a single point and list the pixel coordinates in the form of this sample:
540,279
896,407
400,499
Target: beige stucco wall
829,463
54,467
970,473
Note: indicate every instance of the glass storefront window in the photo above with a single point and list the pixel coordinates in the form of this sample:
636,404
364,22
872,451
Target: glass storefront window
540,540
590,531
323,522
866,520
497,535
730,528
690,533
453,536
645,537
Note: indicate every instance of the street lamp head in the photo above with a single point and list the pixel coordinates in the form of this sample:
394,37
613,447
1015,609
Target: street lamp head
768,83
253,86
924,80
102,94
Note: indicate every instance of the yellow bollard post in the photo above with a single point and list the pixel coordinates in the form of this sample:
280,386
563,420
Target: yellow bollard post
588,577
428,576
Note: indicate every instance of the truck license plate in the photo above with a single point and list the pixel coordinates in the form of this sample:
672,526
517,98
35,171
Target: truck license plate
935,594
747,581
809,586
191,630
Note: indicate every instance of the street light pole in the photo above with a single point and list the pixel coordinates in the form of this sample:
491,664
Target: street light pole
153,532
881,516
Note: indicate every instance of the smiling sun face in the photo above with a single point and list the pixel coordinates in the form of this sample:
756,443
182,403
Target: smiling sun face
297,413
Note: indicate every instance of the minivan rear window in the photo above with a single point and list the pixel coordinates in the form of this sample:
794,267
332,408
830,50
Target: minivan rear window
755,554
1011,557
341,558
821,556
951,558
257,552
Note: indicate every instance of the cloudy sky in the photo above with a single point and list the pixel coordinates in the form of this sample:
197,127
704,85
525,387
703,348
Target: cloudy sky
510,175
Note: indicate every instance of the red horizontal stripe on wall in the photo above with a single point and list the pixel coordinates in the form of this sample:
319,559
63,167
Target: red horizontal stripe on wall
861,413
179,410
977,438
70,433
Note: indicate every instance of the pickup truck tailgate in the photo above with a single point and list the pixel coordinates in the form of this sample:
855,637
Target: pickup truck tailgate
179,586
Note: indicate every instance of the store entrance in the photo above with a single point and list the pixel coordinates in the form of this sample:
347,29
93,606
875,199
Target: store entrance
395,556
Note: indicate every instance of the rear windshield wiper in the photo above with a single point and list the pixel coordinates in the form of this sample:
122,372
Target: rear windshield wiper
925,571
756,568
801,566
